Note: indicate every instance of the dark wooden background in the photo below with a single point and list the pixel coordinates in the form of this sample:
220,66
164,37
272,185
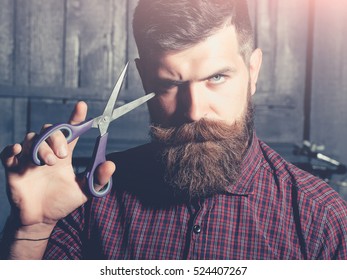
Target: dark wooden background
54,52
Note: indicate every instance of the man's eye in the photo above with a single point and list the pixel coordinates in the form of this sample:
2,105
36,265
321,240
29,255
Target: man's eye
217,79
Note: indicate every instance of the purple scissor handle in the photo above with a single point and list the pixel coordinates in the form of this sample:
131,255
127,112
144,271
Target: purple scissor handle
71,132
99,156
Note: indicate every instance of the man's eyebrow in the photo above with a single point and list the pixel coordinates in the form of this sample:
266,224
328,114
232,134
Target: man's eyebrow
169,81
165,81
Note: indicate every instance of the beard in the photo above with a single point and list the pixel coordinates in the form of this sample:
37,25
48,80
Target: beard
204,158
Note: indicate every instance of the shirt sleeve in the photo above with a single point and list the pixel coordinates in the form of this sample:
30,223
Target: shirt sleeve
333,242
66,239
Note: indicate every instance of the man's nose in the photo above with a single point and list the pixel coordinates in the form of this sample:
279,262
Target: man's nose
195,102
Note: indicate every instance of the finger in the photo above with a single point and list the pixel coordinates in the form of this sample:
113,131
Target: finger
44,127
10,155
78,115
103,174
28,142
19,154
46,154
8,152
58,143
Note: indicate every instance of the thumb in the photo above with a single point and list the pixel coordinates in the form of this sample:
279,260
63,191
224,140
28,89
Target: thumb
103,174
77,116
79,113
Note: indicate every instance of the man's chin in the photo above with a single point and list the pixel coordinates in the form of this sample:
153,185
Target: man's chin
204,157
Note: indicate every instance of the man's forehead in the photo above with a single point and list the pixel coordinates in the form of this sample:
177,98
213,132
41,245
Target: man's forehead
155,54
219,52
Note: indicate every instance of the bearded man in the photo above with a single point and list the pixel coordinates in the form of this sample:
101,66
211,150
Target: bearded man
205,187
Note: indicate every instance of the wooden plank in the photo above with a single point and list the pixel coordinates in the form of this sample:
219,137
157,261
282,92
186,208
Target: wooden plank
281,31
7,41
134,81
6,117
329,85
95,40
266,40
6,127
291,47
22,46
119,38
94,43
268,120
6,77
20,119
4,204
62,93
46,42
72,45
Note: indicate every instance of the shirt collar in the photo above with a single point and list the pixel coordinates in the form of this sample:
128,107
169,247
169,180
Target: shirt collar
249,167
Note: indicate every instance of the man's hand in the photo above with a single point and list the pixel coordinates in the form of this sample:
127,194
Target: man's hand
41,195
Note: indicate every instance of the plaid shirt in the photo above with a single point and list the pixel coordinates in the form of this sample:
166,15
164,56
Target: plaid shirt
274,211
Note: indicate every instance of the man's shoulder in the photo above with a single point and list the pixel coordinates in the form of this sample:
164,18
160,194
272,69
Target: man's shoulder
306,185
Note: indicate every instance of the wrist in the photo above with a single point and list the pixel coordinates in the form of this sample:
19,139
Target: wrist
17,231
37,232
24,241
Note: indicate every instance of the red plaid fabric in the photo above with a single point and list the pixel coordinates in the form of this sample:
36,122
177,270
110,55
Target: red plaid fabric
274,211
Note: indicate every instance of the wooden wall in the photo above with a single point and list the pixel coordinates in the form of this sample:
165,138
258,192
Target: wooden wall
55,52
328,124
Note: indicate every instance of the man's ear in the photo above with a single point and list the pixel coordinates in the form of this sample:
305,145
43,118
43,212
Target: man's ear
254,68
140,69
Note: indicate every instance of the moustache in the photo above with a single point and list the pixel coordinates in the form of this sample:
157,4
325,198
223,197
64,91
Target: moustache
196,132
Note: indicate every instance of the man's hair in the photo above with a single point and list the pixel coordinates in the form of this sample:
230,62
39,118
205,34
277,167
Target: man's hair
174,25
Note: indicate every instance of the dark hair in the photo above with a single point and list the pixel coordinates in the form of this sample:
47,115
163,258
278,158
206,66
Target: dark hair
174,25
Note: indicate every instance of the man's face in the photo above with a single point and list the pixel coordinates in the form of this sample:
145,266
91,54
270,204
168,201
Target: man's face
202,114
209,80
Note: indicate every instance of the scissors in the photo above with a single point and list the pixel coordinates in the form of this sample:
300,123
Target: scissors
101,122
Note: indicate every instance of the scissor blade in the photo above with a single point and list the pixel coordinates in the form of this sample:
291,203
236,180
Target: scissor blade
130,106
112,100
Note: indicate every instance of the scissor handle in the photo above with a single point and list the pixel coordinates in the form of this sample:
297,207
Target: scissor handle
99,156
71,132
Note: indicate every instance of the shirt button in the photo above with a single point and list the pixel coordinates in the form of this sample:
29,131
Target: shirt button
197,229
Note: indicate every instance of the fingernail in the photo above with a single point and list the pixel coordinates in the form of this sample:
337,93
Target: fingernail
62,152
